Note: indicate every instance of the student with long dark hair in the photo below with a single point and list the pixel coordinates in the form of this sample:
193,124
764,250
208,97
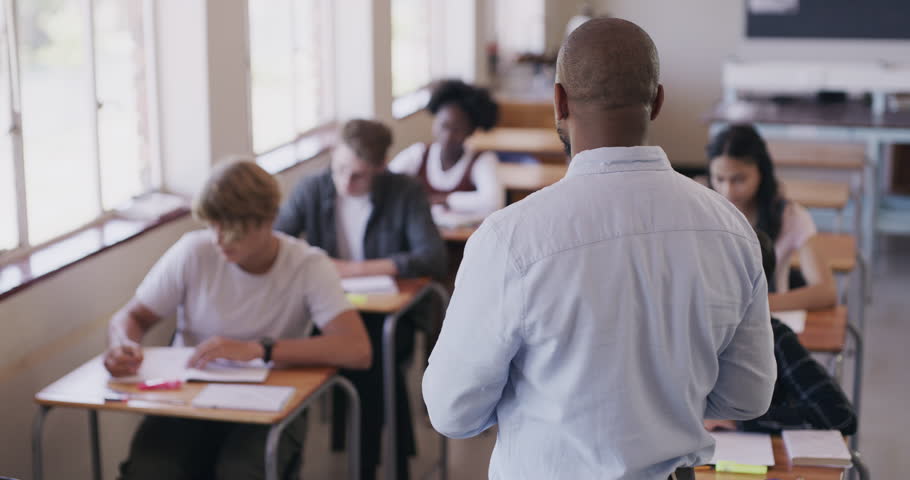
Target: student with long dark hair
453,174
741,170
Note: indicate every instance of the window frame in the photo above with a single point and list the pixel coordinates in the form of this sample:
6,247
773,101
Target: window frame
326,58
10,31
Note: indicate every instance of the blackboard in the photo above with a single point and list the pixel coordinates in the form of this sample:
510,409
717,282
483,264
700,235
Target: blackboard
855,19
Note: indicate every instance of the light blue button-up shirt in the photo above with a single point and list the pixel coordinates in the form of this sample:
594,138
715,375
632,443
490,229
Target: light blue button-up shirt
600,320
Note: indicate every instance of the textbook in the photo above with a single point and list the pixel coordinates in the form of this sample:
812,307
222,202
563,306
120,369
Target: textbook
742,449
822,448
170,363
263,398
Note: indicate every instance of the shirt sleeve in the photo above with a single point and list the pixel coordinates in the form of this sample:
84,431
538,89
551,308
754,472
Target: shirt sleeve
407,161
469,366
325,298
427,253
809,397
291,217
489,196
747,370
164,288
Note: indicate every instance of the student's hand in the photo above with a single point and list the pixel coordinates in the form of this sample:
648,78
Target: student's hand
226,348
124,359
347,268
719,425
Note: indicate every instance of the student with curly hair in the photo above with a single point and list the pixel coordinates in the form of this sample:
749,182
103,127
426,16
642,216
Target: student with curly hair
453,175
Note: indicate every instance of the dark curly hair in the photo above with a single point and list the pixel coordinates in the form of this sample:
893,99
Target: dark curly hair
475,101
743,142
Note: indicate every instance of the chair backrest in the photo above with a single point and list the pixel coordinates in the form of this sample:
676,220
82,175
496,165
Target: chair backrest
516,114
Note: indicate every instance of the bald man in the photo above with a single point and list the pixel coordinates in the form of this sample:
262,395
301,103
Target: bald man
599,321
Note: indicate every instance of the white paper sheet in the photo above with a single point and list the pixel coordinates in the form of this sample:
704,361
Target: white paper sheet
264,398
816,447
370,284
795,319
743,448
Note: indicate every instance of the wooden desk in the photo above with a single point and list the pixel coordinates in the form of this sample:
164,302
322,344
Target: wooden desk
781,470
457,235
813,194
542,143
85,388
411,291
846,156
526,114
838,248
523,179
826,330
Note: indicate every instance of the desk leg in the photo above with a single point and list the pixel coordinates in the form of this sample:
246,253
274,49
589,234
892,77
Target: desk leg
875,154
37,446
389,327
95,444
353,434
857,380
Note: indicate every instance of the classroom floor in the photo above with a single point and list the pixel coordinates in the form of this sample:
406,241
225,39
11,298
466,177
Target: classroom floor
884,421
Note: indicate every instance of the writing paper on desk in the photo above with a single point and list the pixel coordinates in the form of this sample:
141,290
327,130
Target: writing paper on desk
171,363
824,448
369,284
263,398
795,319
743,448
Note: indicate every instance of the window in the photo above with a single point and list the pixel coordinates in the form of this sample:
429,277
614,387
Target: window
520,27
290,69
75,94
411,45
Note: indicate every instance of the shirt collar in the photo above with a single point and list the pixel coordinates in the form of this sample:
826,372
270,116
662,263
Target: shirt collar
618,159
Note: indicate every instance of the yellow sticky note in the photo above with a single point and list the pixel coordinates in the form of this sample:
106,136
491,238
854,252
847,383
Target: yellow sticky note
357,298
733,467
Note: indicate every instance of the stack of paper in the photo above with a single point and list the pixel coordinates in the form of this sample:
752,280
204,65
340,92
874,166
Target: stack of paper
743,448
795,319
170,363
824,448
263,398
371,284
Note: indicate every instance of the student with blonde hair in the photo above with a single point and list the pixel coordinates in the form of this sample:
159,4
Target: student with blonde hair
240,291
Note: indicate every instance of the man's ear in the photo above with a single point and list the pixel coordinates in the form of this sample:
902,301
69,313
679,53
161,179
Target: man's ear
658,103
560,102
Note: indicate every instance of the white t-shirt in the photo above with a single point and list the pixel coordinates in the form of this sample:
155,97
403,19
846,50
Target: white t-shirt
351,216
796,228
215,297
489,196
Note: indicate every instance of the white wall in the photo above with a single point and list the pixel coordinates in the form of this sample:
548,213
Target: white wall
695,37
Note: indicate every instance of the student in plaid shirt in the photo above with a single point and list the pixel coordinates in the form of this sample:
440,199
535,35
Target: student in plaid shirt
805,396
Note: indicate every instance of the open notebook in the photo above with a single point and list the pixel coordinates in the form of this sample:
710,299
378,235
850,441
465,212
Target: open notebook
170,363
824,448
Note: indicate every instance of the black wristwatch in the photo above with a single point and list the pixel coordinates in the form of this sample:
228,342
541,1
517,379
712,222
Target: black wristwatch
267,344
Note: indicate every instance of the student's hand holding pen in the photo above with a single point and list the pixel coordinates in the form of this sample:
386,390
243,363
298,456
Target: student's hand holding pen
123,356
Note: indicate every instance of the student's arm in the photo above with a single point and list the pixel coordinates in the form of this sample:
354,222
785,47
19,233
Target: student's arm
747,370
427,253
814,399
469,366
821,288
291,217
407,162
343,343
489,196
127,327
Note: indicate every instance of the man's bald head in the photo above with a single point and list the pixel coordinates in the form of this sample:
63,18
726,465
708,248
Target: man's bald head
609,63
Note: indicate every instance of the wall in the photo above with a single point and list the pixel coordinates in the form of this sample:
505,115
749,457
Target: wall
695,37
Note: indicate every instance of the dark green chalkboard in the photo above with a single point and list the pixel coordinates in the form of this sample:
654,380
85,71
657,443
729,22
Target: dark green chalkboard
855,19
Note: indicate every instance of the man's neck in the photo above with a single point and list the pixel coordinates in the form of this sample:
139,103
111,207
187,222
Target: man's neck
625,127
259,264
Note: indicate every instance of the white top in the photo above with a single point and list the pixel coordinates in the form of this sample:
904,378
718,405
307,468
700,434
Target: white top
351,216
215,297
600,320
490,195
